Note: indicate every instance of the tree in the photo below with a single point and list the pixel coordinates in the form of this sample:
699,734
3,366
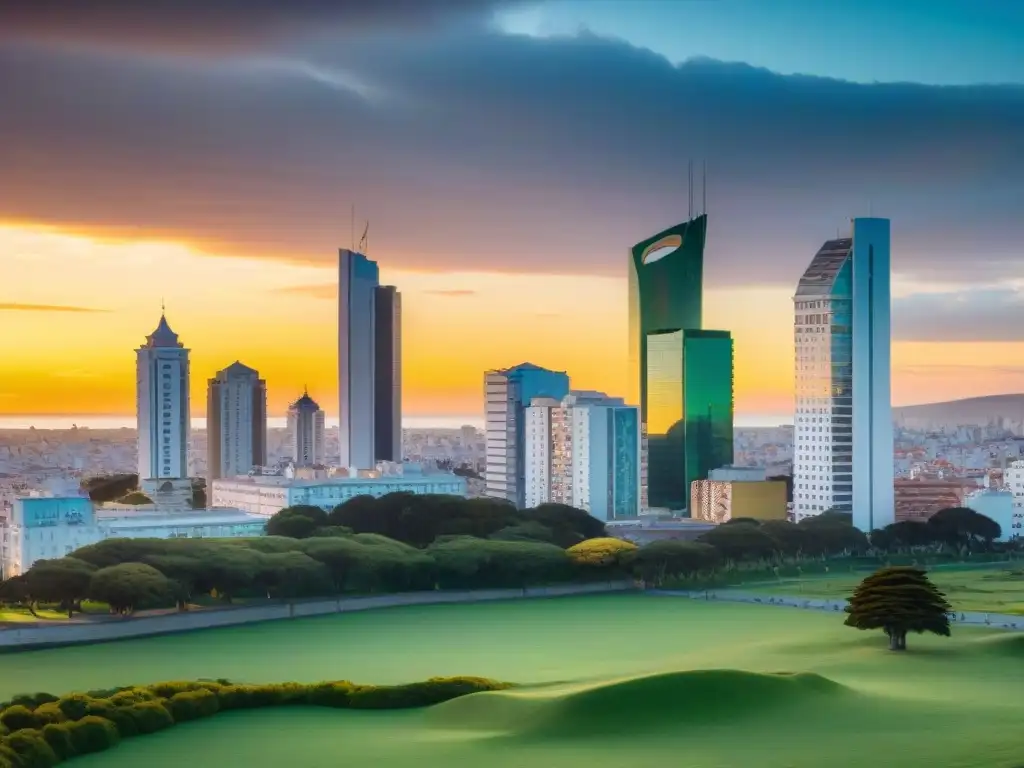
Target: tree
791,538
961,526
104,488
128,586
669,558
832,533
298,522
899,600
569,524
906,535
531,531
65,581
601,553
135,498
741,542
742,521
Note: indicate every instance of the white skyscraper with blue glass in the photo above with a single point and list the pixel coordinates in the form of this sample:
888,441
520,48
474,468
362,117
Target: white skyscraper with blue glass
162,406
843,453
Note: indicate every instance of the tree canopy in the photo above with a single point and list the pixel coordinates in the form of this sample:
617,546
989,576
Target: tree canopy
899,600
127,586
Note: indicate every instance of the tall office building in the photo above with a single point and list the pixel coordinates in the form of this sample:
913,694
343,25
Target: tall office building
387,429
236,422
584,451
844,436
306,432
162,405
680,375
507,393
358,281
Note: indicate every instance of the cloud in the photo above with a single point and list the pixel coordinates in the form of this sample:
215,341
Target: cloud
986,314
453,292
216,26
16,307
503,153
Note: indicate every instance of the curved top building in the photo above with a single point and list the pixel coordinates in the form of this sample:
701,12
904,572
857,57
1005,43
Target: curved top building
680,374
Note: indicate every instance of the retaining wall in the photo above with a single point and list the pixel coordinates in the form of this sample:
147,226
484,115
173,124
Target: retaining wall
33,636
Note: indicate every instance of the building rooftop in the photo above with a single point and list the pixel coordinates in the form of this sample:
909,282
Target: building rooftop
819,277
163,336
305,403
213,517
278,481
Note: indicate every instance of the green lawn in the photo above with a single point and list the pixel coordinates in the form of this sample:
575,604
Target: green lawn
985,589
612,681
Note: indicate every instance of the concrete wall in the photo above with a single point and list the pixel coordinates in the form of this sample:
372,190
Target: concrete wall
32,636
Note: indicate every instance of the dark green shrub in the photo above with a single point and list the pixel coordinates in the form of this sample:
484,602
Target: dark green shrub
149,716
124,722
49,713
132,696
19,716
424,694
335,695
31,749
168,689
192,705
59,738
7,756
75,706
92,734
30,700
252,696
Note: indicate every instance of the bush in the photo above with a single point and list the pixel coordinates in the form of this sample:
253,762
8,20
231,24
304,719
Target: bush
92,734
193,705
122,720
75,706
601,553
132,696
31,750
19,716
59,738
149,716
337,695
30,700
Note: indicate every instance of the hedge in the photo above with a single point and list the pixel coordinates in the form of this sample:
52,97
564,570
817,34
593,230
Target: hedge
41,730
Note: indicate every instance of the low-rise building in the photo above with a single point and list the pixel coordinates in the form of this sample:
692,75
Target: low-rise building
998,505
919,499
48,527
734,492
265,495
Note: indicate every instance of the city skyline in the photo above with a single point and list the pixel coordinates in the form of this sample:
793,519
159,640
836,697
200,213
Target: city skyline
504,243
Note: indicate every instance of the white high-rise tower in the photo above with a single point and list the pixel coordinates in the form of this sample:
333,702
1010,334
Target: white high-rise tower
306,432
358,280
236,422
162,405
843,455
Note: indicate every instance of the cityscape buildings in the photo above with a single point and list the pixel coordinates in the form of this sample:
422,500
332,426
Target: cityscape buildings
584,451
162,406
358,280
680,374
507,393
236,422
306,432
843,453
738,492
387,395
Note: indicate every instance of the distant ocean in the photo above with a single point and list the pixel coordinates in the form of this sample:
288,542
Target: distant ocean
410,422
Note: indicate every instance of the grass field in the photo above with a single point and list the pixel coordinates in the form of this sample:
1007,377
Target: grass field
998,590
611,681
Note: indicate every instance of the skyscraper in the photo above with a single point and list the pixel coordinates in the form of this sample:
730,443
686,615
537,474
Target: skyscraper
162,405
387,428
357,290
507,392
680,374
583,450
236,422
306,432
843,434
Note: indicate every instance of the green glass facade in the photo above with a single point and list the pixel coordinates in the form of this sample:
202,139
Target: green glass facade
680,374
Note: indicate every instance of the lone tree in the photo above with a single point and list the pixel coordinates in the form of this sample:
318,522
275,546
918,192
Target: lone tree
899,600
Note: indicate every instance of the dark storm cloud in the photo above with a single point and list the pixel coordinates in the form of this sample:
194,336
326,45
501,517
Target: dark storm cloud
213,25
995,314
482,151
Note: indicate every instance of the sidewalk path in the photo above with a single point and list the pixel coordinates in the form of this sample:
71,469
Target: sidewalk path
972,618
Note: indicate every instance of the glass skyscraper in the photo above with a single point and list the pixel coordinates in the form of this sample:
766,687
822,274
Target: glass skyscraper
680,374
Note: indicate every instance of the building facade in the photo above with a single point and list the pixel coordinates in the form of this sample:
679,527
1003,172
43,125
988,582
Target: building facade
387,428
306,426
689,396
584,451
53,527
236,422
843,454
266,495
680,373
507,393
358,281
1000,506
162,405
738,492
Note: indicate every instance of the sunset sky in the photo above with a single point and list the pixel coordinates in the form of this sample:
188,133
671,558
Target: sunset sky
506,155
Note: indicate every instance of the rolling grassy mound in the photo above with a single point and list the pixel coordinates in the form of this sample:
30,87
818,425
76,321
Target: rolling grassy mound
624,707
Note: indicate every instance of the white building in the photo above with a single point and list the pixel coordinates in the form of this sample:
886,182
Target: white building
236,422
162,405
358,280
843,457
306,432
52,527
584,451
1001,506
265,495
507,393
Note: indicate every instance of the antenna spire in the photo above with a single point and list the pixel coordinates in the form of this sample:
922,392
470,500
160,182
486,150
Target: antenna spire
163,306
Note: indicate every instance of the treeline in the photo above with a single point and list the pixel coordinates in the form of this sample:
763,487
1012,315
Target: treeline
421,519
956,529
41,730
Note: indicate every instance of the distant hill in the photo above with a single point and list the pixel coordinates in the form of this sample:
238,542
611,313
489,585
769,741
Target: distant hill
972,410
